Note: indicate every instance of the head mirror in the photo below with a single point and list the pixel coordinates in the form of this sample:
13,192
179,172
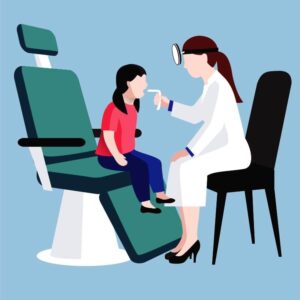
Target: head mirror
176,54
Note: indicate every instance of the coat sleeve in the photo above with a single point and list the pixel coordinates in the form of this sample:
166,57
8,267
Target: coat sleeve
188,113
213,121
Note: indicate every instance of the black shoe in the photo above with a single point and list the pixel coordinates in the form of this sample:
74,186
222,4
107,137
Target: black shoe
169,200
150,210
170,254
188,254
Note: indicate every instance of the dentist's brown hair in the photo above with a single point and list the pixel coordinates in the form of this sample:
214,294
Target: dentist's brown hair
202,42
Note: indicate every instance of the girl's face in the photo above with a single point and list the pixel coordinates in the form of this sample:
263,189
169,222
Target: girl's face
138,86
195,64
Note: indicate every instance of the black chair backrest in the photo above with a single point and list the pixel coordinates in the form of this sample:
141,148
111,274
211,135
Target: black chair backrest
267,117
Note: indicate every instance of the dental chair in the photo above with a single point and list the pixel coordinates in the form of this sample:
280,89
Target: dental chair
62,144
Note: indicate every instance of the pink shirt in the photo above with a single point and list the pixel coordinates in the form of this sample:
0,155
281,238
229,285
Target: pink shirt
122,124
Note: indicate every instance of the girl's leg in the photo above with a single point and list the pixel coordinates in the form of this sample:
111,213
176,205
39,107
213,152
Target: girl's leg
191,220
140,179
138,171
155,172
108,162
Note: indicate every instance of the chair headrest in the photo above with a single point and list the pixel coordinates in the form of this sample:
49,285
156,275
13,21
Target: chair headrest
37,40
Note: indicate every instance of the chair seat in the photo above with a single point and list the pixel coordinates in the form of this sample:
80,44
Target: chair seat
86,175
254,177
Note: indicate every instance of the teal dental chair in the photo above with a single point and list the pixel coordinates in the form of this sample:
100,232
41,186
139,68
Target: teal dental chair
62,144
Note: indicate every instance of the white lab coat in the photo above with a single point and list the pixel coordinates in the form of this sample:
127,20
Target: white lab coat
219,145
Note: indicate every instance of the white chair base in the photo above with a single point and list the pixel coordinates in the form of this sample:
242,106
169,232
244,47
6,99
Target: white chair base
118,257
84,235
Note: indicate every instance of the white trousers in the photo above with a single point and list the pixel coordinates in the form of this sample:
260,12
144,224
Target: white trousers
187,178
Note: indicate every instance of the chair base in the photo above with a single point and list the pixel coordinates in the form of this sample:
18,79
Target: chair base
84,235
119,256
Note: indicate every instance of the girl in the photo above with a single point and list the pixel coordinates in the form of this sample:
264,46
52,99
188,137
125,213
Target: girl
116,148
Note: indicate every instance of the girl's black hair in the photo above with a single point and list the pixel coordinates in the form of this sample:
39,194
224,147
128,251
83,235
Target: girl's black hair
124,74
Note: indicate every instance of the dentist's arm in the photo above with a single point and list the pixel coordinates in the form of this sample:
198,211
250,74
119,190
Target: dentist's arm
188,113
109,137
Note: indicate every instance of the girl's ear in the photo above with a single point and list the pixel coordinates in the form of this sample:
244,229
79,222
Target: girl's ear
128,84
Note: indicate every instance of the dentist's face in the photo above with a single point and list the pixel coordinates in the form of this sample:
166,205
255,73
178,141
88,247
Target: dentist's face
195,63
138,86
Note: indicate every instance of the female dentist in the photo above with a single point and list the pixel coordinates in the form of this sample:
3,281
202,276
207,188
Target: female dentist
219,145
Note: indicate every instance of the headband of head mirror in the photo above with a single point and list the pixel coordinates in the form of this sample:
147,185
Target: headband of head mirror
200,51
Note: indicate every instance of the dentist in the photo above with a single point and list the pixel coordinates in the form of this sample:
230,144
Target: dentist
219,145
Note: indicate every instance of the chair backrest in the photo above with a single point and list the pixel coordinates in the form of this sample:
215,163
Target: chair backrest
51,99
267,117
53,107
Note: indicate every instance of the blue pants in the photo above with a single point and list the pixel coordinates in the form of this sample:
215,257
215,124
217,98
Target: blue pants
144,170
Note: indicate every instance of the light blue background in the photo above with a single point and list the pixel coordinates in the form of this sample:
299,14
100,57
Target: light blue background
95,38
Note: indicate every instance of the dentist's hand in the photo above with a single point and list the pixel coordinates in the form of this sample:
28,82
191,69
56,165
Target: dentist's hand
164,100
120,159
179,154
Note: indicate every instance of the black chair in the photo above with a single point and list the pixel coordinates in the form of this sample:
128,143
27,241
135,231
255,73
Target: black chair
263,136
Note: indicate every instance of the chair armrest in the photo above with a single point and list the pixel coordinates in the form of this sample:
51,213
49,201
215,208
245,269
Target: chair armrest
138,133
51,142
97,132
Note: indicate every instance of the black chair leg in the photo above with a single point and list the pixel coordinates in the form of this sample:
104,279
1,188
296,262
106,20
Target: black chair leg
249,202
270,193
221,198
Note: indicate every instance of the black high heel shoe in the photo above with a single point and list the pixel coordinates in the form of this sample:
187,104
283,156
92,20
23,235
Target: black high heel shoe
170,254
193,251
169,200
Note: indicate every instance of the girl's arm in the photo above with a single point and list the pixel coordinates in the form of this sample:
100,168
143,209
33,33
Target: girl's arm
109,138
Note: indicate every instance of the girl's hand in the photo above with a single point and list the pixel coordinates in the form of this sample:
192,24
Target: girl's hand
164,100
121,160
179,154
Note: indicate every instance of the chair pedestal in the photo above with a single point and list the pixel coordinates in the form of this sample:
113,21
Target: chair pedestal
84,235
